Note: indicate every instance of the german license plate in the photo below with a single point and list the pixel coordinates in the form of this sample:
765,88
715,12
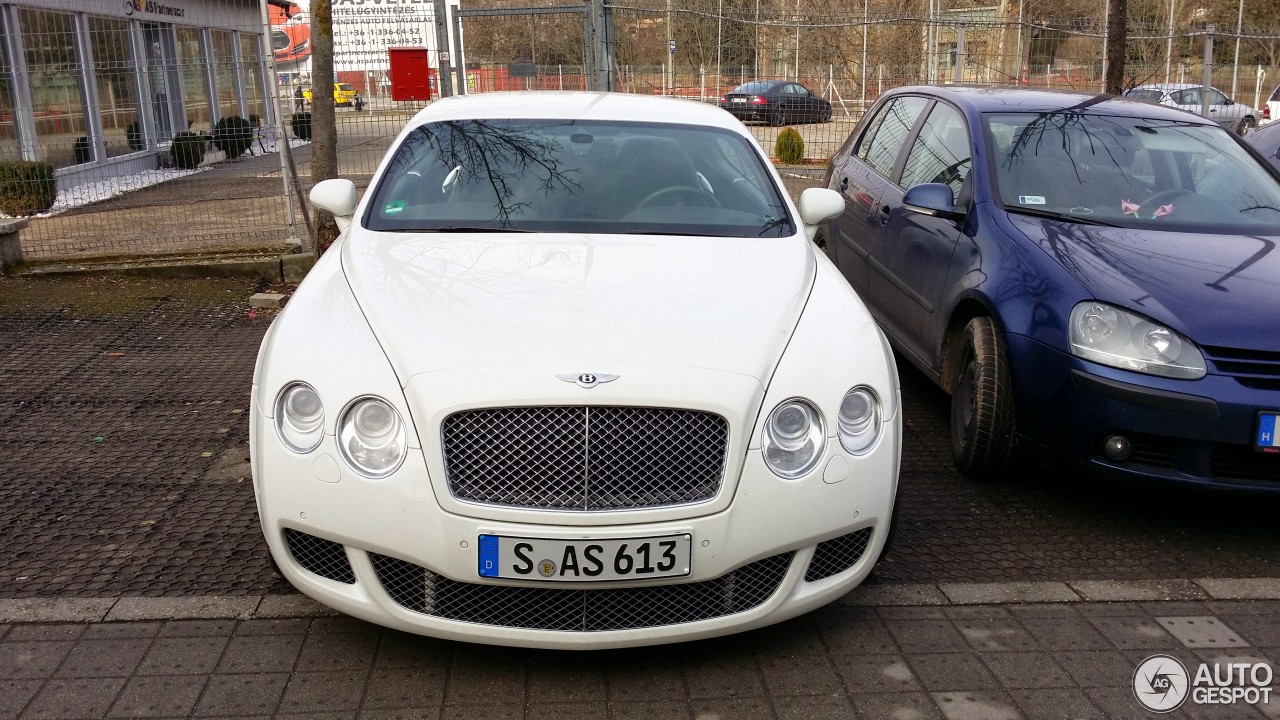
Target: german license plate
1268,437
521,558
738,100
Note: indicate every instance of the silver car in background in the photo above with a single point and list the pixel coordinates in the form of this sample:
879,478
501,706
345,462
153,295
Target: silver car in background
1236,117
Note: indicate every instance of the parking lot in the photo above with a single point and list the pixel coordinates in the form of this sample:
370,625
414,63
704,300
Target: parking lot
123,413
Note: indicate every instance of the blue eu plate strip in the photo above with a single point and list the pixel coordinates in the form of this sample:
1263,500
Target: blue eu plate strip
1267,430
488,556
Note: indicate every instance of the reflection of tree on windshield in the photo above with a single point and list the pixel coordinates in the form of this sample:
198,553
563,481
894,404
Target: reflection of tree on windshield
510,159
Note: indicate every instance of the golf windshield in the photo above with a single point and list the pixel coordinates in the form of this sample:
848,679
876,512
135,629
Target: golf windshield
1130,172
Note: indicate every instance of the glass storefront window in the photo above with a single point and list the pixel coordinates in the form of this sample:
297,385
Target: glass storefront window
195,90
49,40
117,86
251,61
224,71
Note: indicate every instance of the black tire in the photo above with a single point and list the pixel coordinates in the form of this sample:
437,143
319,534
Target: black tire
820,239
826,115
1245,126
777,118
982,413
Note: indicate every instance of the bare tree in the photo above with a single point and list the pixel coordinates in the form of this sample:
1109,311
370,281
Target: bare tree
324,135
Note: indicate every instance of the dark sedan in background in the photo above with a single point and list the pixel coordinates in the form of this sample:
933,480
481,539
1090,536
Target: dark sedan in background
776,102
1086,275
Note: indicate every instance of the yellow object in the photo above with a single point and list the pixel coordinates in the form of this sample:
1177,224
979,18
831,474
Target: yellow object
343,94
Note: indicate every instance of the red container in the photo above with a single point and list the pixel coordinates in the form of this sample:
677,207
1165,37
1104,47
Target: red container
411,77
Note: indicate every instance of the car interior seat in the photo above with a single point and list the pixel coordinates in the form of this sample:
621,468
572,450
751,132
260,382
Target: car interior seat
647,165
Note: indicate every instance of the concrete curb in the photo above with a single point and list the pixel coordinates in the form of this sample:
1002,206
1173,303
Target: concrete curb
281,268
221,607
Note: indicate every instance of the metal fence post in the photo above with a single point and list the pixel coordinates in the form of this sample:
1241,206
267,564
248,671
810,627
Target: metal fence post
957,72
443,71
1208,71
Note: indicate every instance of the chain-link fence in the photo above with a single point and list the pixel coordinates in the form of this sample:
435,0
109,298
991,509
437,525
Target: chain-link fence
162,122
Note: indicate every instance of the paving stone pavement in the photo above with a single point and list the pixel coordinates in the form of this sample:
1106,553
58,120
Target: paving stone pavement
980,662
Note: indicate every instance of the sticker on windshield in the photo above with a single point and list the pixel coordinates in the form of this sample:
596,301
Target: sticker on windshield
1031,199
393,207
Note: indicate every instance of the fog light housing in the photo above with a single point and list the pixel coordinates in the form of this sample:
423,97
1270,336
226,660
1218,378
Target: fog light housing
1117,447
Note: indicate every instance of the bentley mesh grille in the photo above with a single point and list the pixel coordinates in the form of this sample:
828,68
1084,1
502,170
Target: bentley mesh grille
584,458
837,555
571,609
323,557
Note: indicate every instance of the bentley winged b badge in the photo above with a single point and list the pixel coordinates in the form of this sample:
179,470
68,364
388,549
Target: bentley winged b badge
588,380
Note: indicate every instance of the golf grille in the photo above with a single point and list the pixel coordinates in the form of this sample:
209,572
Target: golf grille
323,557
584,458
422,591
837,555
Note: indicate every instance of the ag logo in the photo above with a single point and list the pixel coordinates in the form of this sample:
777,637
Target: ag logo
1161,683
546,568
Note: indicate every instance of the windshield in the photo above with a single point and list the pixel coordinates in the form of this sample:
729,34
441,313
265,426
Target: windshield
1130,172
578,176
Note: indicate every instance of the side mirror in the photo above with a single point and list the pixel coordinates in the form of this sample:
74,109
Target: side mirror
818,205
934,199
338,197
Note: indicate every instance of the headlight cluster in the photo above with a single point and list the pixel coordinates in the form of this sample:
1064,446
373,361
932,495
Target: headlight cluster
1121,339
372,438
794,436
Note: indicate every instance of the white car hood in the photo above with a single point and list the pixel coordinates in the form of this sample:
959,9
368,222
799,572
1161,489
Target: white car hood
578,303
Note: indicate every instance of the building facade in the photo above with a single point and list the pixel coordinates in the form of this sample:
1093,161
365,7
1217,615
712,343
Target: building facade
98,88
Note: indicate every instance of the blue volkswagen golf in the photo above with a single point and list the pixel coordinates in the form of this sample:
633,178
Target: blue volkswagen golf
1085,275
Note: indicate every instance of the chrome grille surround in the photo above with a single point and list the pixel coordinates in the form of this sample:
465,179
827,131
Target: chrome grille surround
584,458
576,610
836,555
325,558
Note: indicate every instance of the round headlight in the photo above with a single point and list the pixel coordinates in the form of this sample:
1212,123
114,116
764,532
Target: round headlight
299,417
793,438
859,421
371,437
1113,336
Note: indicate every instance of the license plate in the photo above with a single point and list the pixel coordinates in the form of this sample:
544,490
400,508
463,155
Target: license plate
738,100
1268,437
521,558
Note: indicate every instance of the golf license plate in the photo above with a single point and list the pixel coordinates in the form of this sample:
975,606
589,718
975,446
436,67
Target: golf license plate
521,558
1268,437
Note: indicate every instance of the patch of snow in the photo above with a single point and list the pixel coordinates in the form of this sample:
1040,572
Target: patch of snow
92,192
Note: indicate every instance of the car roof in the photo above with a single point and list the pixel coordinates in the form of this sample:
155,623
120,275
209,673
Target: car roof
1020,99
539,105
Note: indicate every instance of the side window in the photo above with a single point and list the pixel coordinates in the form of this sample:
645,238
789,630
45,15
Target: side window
1216,97
940,153
899,117
1187,97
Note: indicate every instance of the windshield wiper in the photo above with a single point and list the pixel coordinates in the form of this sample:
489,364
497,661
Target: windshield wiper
474,229
1052,215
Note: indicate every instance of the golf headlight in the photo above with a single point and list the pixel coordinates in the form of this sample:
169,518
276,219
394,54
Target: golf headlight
793,438
299,417
858,424
1121,339
371,437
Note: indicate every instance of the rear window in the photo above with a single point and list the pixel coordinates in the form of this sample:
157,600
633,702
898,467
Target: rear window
753,87
1148,96
345,87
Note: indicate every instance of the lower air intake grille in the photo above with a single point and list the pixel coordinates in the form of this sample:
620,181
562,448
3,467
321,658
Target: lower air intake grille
323,557
422,591
837,555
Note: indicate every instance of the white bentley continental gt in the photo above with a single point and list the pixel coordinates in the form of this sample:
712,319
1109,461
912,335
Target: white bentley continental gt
574,376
